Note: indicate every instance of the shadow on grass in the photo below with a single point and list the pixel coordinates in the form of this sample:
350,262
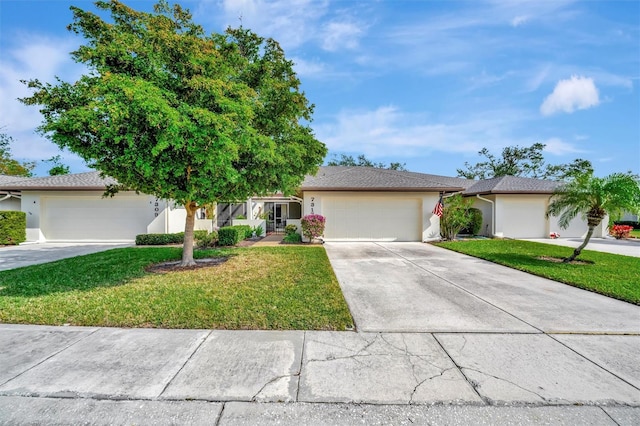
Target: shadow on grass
532,262
82,273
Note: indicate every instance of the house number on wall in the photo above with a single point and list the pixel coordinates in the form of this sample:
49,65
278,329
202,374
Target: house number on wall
156,209
312,204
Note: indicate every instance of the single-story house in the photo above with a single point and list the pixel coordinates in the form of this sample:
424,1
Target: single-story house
365,203
359,203
514,207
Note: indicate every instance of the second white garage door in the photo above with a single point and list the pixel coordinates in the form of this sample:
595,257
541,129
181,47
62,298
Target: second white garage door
372,219
93,218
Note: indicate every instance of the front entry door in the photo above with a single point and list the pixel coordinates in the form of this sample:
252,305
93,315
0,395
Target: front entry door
281,215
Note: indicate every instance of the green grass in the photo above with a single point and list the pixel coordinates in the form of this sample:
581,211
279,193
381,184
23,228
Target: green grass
609,274
635,233
256,288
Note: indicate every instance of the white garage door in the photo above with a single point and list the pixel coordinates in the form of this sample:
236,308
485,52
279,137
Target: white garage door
94,218
371,219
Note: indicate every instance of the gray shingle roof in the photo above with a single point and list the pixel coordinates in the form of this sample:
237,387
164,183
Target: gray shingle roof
512,185
344,178
6,179
77,181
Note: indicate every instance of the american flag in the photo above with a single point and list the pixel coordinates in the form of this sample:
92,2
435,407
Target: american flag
437,210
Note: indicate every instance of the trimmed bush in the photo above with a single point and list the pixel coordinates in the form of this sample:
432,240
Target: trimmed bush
13,227
229,236
165,239
246,231
290,229
313,226
208,240
292,238
633,223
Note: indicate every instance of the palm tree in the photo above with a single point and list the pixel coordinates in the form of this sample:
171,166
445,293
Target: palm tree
594,198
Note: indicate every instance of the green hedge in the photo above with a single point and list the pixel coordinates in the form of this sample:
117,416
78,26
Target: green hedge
229,236
164,239
245,231
13,227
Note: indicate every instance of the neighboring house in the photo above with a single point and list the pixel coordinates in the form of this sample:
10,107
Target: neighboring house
514,207
72,208
359,203
9,200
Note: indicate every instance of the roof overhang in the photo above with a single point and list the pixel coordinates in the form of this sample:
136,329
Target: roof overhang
379,189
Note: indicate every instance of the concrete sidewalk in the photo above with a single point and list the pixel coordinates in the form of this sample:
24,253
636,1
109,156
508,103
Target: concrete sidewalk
70,375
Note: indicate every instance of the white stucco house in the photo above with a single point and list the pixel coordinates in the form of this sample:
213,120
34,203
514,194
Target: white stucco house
359,203
514,207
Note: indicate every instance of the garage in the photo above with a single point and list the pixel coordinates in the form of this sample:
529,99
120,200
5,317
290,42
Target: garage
93,218
372,218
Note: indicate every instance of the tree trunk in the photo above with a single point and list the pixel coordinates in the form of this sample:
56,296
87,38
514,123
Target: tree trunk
187,246
578,250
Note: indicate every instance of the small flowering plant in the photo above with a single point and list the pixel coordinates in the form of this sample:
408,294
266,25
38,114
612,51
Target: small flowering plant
620,231
554,235
313,226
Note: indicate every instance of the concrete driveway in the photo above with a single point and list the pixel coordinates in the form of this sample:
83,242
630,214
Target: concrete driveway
416,287
33,254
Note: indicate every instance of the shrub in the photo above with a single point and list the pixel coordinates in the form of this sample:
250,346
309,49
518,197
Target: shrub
164,239
290,229
258,231
454,216
620,231
159,239
13,227
292,238
245,231
240,216
208,240
229,236
313,226
475,224
632,223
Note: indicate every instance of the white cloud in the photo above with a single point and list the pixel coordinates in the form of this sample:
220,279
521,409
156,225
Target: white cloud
519,20
304,68
557,146
32,57
387,130
341,35
291,22
569,95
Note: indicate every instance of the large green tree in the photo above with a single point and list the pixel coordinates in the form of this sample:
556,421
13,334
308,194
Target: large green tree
594,198
170,111
9,165
522,161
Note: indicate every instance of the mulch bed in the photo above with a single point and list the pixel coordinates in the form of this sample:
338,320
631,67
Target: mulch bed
559,260
165,267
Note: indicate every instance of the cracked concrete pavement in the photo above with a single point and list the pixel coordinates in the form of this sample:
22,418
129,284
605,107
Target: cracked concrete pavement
441,339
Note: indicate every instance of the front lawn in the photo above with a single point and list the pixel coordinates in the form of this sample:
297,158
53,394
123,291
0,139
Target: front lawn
635,233
256,288
609,274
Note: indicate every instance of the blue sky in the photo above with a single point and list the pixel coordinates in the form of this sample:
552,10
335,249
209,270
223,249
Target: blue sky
426,83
